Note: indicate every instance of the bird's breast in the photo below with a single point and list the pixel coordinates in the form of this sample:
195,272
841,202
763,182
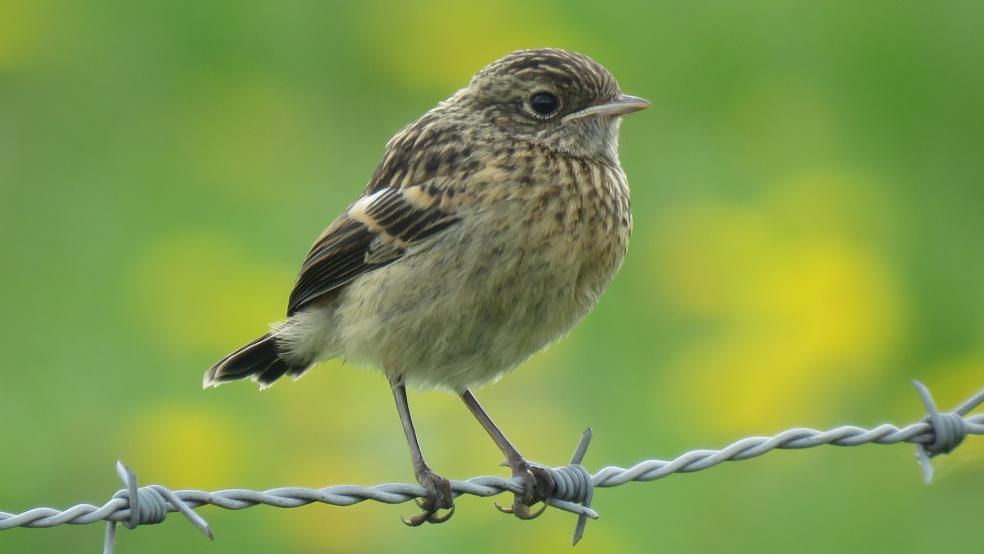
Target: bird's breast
586,216
523,265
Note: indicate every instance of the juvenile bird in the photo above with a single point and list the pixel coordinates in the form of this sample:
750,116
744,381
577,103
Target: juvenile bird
492,225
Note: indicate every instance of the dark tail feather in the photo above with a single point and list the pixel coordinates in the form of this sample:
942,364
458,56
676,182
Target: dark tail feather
260,360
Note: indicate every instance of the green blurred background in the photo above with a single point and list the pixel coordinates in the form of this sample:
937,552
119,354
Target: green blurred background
808,191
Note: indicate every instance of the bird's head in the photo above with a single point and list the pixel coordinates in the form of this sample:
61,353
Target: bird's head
560,99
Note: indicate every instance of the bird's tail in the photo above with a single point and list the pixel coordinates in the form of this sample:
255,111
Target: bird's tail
259,360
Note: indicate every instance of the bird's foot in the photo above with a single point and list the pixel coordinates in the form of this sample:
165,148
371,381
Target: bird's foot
438,497
538,485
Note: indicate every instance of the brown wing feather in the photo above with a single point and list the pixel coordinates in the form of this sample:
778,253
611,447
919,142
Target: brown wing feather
375,231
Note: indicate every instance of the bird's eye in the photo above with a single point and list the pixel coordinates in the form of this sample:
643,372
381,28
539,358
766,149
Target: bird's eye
544,104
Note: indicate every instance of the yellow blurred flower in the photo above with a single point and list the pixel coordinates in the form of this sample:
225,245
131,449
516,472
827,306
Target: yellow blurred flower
21,33
199,291
185,445
792,307
460,37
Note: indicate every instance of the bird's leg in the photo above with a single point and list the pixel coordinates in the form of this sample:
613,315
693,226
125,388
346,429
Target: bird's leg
537,480
438,488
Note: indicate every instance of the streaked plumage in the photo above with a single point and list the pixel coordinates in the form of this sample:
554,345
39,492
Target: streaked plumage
488,230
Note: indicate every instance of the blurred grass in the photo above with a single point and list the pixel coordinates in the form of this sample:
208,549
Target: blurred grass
808,196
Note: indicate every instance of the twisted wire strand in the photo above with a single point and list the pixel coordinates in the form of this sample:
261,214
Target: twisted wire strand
751,447
573,493
117,509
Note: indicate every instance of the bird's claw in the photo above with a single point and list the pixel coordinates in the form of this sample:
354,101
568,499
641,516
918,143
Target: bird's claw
522,511
427,516
438,497
538,485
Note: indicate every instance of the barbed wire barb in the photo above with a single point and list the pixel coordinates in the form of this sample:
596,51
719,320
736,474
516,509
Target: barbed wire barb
949,429
146,506
937,433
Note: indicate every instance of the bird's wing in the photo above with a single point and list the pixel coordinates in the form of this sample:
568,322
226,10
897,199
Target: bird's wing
378,229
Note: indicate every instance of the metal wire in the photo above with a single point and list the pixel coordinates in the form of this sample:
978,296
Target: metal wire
938,433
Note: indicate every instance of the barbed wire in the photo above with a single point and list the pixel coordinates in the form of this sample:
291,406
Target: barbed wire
937,433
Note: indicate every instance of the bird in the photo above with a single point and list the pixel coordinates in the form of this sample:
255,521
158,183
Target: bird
492,225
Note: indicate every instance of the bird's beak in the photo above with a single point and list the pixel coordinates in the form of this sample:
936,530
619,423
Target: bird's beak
624,105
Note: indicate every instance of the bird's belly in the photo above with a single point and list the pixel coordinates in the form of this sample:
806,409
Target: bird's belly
475,304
